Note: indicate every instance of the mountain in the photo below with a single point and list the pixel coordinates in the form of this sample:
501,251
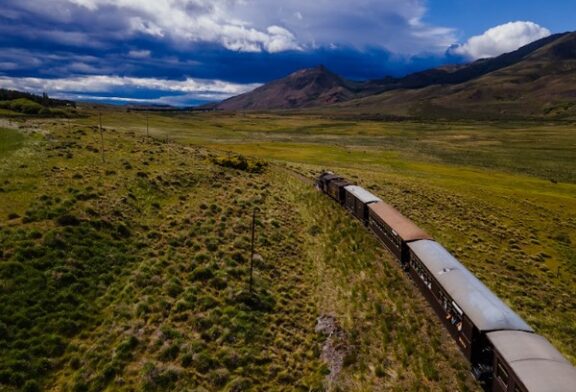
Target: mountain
304,88
535,80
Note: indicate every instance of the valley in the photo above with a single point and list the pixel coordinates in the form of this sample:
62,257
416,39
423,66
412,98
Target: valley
139,264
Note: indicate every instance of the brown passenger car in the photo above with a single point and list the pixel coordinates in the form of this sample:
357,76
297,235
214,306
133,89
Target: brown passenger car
394,229
466,306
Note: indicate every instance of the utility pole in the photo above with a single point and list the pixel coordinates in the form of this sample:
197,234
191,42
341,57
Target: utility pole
101,136
147,127
252,250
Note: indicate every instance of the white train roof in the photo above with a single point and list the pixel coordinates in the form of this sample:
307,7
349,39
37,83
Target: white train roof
362,194
482,306
539,366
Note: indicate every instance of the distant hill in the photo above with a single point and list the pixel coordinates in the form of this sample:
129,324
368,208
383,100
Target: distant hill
44,100
536,80
304,88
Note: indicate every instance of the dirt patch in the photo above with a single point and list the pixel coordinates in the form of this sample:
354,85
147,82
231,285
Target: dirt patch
335,348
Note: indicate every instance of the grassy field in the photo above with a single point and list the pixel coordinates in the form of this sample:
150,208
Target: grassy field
10,140
501,196
137,266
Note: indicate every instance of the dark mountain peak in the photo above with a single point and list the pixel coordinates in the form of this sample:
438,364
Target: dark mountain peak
319,76
321,68
303,88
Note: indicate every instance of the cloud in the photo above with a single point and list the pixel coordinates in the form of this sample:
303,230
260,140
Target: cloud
501,39
238,25
394,25
207,49
86,86
139,54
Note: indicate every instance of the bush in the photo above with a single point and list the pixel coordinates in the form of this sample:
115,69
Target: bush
239,384
187,360
170,353
23,105
125,348
157,379
202,273
240,162
31,386
203,361
67,220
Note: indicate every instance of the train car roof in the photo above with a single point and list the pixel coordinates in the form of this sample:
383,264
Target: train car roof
478,302
362,194
539,366
329,177
340,182
406,229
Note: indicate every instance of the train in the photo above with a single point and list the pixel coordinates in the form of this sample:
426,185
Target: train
504,352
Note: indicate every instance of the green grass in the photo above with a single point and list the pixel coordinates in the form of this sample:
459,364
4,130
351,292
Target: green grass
10,140
132,273
538,149
170,312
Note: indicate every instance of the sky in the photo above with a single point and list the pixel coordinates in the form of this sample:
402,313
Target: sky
189,52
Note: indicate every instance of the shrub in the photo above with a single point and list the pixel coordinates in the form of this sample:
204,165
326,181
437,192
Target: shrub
170,353
240,162
203,361
155,378
219,377
31,386
239,384
67,220
125,348
23,105
203,273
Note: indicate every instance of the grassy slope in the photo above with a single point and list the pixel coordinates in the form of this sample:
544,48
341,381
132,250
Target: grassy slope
10,140
132,274
500,195
397,342
170,310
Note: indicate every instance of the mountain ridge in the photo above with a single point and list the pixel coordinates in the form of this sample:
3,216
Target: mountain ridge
318,87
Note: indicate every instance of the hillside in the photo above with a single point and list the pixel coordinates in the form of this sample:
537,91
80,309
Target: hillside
45,100
540,85
132,274
536,80
304,88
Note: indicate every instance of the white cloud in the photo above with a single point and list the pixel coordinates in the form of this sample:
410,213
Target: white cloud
200,88
253,25
139,54
395,25
196,21
501,39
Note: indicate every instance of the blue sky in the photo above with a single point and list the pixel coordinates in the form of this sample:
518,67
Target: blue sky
186,52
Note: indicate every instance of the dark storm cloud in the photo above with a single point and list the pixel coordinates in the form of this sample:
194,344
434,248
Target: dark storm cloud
232,42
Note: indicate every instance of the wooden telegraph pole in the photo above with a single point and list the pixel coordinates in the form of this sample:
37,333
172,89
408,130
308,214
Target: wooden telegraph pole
147,127
252,250
101,137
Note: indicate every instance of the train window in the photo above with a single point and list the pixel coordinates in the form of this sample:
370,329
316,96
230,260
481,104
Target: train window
502,374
